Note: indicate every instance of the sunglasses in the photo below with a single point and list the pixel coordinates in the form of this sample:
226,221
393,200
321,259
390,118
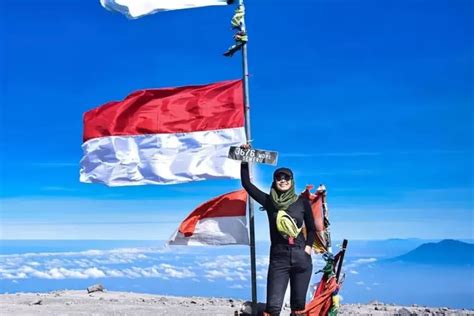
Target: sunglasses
280,177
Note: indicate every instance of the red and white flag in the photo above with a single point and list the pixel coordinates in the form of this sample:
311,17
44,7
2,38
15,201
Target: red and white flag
164,136
220,221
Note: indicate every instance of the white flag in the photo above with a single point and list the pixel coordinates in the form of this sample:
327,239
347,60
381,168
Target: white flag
137,8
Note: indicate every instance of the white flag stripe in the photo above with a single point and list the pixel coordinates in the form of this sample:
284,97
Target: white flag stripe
137,8
215,231
161,158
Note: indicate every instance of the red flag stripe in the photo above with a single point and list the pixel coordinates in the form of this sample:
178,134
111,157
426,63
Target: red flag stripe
229,204
169,111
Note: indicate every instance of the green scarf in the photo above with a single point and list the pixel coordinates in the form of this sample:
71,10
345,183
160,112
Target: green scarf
282,200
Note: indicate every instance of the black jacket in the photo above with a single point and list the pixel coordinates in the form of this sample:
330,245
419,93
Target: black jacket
300,210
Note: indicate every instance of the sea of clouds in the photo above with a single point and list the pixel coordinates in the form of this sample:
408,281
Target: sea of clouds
164,263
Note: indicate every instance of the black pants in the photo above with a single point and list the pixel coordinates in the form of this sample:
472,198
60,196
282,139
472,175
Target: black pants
288,262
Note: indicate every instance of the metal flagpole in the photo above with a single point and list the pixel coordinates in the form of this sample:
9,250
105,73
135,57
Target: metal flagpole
253,267
326,222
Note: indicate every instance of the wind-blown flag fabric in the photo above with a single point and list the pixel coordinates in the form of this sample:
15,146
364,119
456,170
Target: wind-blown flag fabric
316,200
164,136
137,8
220,221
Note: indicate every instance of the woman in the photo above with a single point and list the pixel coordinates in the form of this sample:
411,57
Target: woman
290,251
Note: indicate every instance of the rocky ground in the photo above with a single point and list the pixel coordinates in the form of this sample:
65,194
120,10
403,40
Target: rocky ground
378,308
137,304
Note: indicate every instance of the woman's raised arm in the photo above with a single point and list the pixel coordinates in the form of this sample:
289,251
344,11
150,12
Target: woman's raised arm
257,194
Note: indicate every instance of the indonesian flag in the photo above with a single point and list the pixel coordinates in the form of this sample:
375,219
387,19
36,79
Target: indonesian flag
220,221
164,136
137,8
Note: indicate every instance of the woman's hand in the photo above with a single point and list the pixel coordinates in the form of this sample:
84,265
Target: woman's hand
307,249
245,146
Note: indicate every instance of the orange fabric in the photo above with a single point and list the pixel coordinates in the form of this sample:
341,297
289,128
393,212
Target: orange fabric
229,204
322,299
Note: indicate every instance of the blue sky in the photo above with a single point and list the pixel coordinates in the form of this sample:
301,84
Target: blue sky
372,98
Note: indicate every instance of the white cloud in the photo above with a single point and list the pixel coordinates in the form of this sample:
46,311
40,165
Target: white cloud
214,274
128,263
229,268
94,273
242,278
128,253
359,262
85,265
115,274
54,273
367,260
179,274
234,262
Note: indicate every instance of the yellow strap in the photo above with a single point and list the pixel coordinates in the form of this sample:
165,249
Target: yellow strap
286,225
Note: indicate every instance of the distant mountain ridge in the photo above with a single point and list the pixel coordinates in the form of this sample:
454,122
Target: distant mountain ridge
447,251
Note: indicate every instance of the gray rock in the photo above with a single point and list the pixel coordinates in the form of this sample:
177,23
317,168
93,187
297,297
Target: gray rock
246,308
403,312
95,288
37,302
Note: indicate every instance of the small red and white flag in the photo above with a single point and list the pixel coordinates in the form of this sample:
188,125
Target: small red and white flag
165,136
220,221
